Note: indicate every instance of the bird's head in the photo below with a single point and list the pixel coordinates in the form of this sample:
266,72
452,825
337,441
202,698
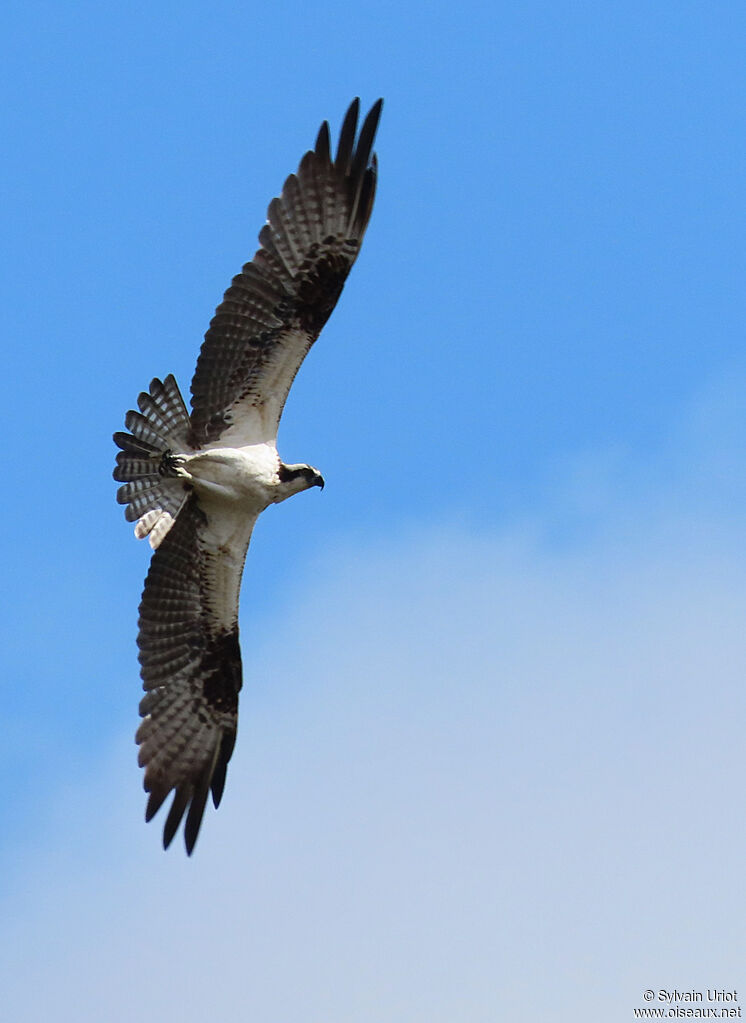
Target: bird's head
294,478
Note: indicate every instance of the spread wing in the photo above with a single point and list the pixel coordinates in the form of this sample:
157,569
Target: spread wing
275,308
190,665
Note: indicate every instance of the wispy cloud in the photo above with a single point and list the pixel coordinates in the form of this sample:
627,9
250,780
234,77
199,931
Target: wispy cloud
479,777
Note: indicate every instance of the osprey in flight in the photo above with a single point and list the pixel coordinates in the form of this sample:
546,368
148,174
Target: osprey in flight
195,482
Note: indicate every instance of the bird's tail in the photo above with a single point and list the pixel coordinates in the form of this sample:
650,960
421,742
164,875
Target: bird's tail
148,464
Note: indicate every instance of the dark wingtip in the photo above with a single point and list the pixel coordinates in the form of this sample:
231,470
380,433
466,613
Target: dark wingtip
196,810
155,802
376,109
365,140
190,836
323,145
363,171
217,784
347,136
367,195
179,805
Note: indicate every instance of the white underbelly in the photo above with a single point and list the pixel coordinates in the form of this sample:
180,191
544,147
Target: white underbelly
246,476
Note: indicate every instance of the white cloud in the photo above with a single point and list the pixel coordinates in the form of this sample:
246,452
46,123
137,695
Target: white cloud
492,778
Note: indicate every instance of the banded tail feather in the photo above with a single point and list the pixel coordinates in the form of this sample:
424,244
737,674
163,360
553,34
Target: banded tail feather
148,462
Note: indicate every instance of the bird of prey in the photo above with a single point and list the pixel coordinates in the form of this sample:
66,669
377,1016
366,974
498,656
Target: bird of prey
195,482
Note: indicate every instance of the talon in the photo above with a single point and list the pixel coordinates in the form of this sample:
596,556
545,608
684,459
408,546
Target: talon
172,465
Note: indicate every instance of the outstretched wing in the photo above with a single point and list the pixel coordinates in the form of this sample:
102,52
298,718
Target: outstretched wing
190,666
275,308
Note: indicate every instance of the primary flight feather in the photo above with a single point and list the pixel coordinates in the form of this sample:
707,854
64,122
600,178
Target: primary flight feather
195,482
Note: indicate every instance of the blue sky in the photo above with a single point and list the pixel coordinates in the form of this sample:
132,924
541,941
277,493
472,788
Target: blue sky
490,752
